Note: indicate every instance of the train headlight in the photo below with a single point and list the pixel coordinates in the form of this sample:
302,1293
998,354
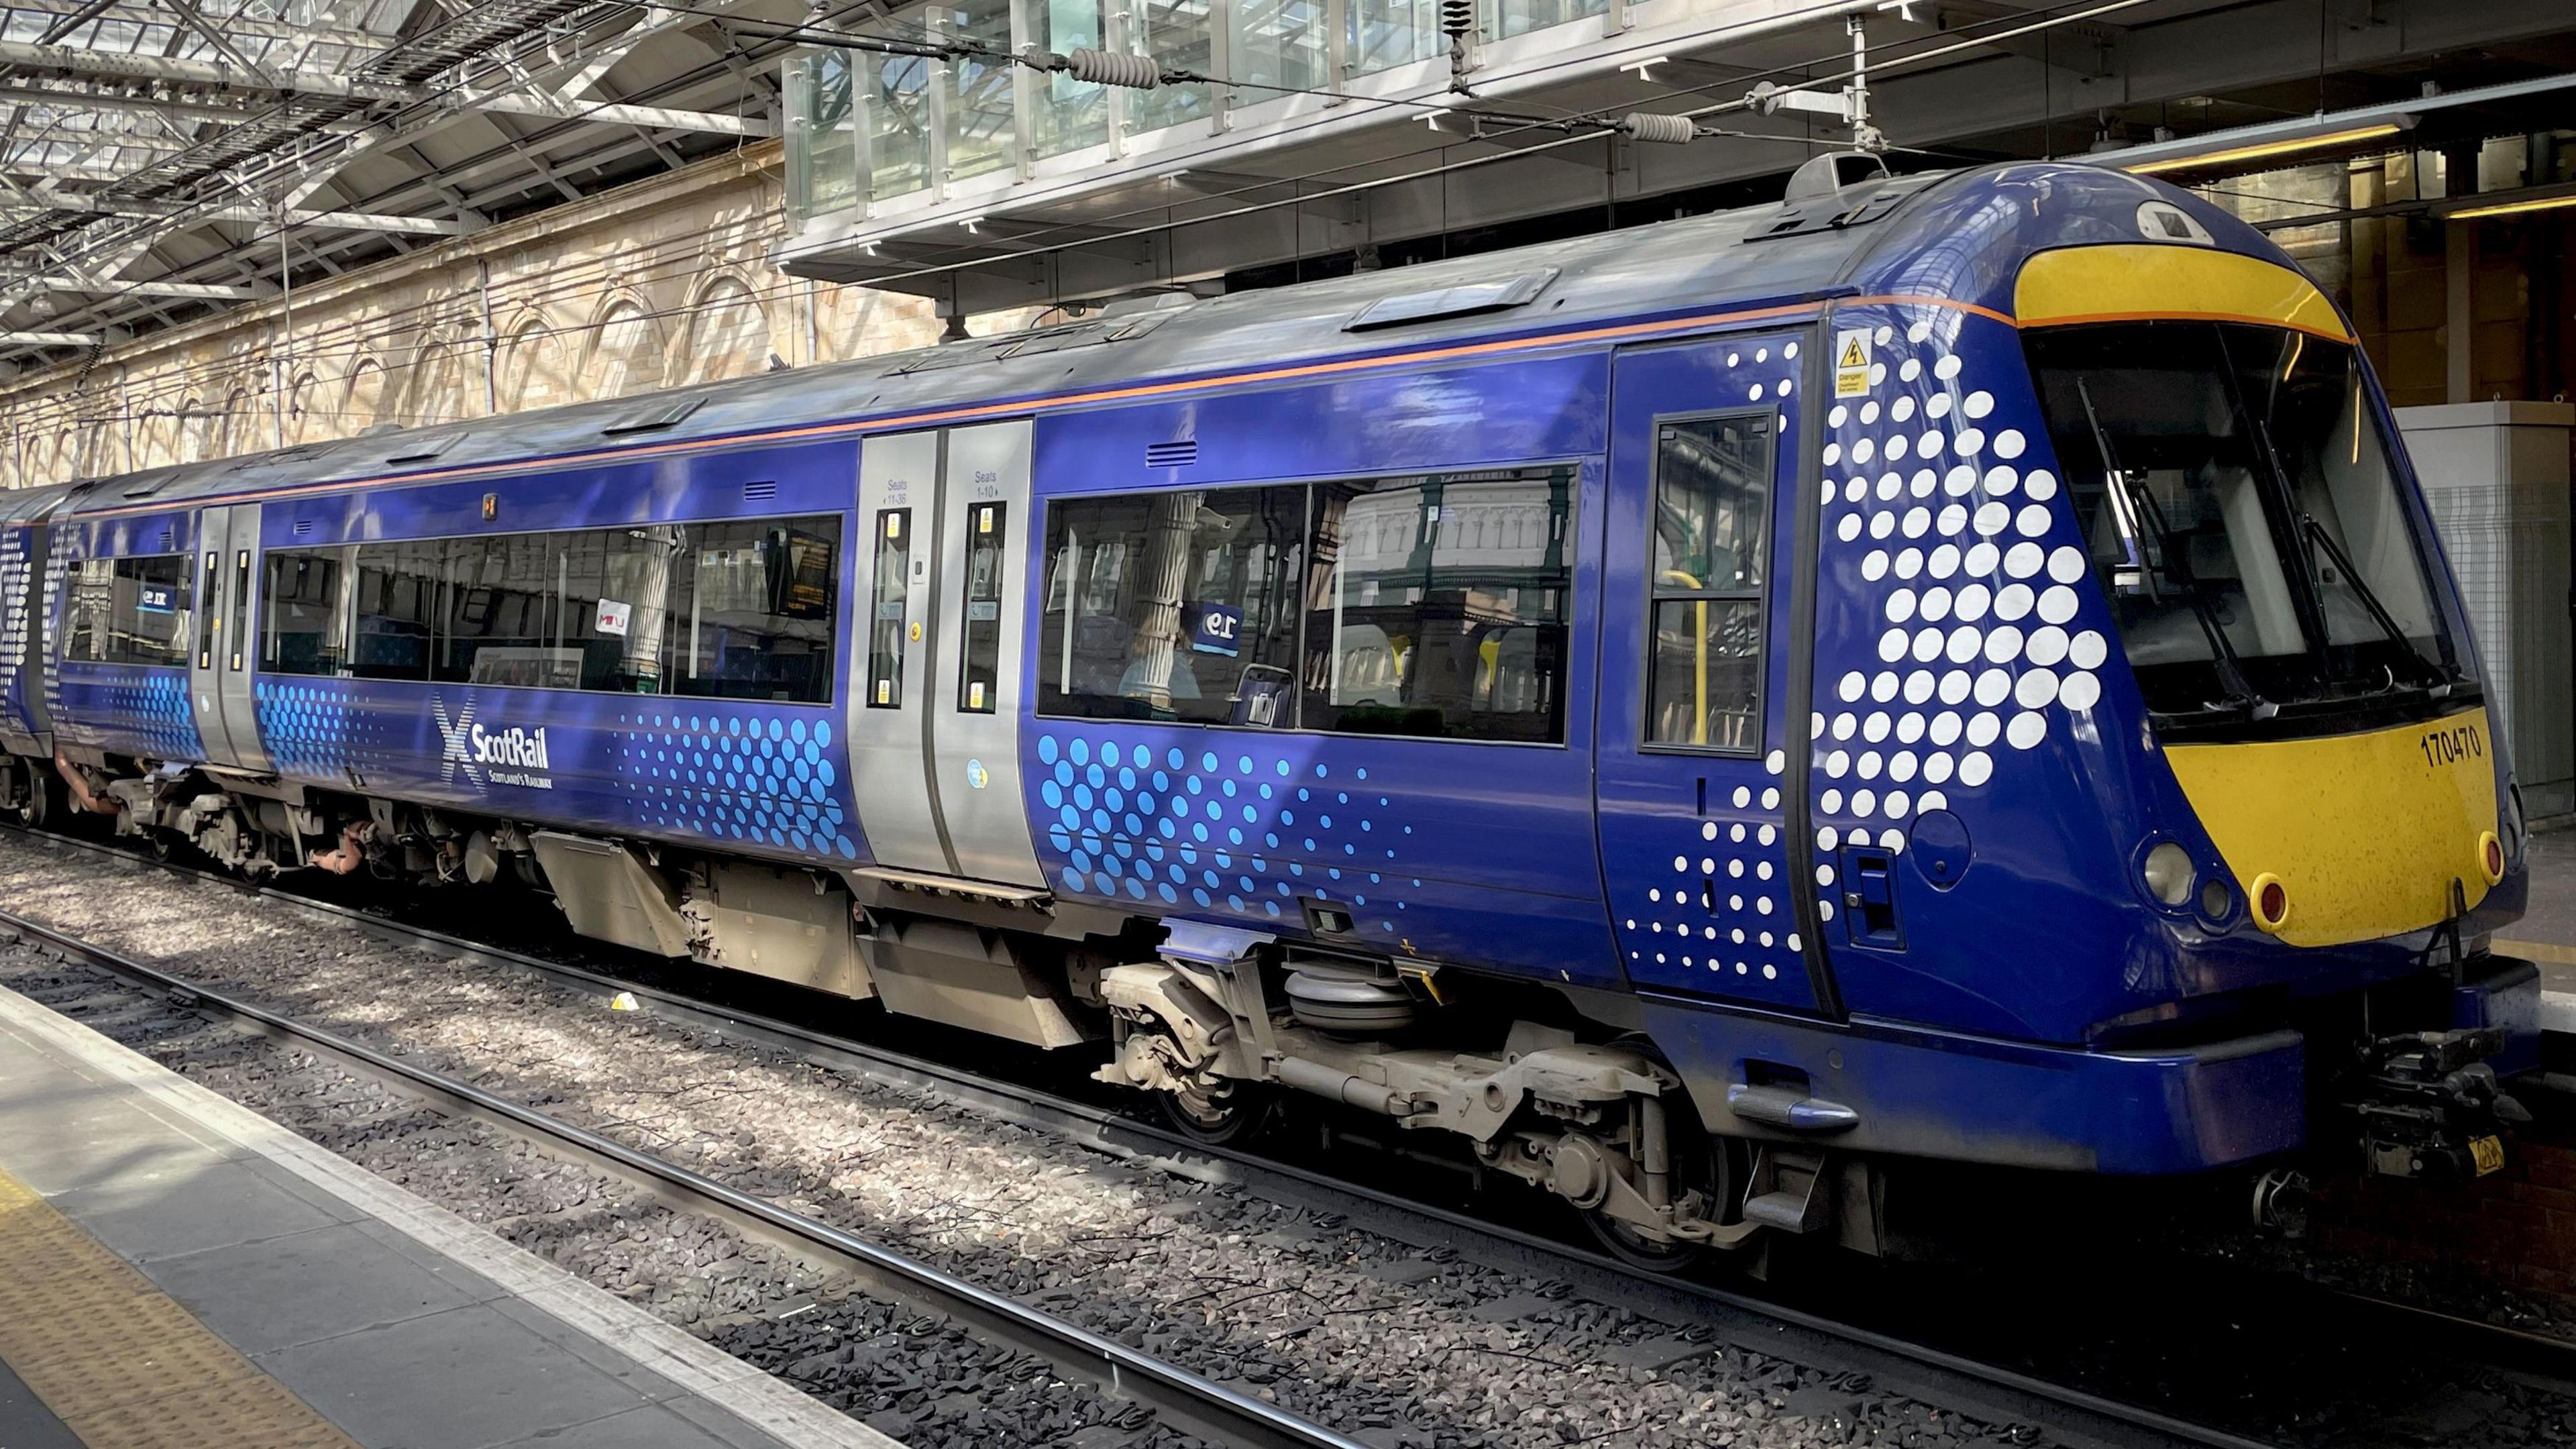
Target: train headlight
2491,856
2168,872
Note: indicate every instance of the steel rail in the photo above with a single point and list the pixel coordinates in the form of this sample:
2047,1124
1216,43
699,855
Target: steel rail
1936,1376
1180,1398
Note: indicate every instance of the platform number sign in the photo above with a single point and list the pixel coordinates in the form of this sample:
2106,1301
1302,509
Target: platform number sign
1851,362
1216,629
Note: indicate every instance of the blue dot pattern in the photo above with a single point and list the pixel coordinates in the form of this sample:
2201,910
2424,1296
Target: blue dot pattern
735,777
1236,828
143,711
312,729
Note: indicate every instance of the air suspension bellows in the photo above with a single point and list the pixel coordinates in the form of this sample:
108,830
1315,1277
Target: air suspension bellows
1345,1000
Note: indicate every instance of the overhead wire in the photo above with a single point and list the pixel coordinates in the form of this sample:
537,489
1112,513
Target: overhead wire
304,357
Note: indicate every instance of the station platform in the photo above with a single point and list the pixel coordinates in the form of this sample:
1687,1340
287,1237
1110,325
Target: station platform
176,1270
2546,934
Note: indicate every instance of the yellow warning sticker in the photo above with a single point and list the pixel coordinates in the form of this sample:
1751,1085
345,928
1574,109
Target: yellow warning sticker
1851,362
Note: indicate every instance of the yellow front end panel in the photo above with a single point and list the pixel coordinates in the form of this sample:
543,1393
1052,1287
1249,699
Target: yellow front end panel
2365,832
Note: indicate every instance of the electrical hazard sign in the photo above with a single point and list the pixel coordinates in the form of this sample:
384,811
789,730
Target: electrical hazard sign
1851,362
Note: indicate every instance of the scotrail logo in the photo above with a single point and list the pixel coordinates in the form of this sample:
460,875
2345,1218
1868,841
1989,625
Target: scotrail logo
513,756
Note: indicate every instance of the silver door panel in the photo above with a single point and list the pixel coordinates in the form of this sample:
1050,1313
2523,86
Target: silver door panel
975,725
888,741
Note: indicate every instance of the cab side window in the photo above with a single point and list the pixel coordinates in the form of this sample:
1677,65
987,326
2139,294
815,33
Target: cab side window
1710,542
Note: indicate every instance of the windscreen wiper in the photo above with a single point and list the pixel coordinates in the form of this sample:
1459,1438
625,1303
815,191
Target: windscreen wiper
2439,680
2143,507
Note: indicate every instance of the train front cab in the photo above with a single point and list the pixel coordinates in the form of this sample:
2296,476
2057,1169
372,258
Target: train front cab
2225,904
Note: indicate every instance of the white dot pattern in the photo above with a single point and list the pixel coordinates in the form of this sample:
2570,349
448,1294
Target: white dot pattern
1978,649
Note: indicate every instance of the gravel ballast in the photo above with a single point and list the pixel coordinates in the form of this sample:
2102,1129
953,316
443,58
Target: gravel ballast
1382,1340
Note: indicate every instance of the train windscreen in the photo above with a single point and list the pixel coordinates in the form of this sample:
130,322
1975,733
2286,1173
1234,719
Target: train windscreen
2241,513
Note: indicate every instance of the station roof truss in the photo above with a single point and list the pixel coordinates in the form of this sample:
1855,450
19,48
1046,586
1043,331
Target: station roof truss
159,158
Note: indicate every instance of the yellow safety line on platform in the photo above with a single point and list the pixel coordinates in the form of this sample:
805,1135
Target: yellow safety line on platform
120,1363
2548,951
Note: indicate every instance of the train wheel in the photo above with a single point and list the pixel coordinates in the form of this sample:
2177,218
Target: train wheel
44,801
1219,1112
1712,1168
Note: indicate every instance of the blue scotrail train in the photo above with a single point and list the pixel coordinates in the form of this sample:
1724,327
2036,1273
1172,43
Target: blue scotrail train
1944,667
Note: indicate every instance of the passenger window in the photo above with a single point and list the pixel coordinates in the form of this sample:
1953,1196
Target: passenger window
305,617
1174,606
979,682
1711,543
1438,605
127,611
889,608
758,600
733,610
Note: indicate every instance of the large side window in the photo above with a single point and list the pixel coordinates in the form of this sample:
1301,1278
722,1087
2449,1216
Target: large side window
1426,604
402,592
1174,606
1438,605
127,611
756,610
1711,539
304,629
735,610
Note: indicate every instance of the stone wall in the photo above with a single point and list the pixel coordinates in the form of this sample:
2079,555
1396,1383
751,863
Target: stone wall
656,284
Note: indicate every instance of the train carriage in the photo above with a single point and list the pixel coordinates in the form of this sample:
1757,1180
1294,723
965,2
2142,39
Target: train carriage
1944,667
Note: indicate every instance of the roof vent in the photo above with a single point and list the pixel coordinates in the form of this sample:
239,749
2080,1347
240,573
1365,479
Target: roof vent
760,492
283,455
1182,454
1460,301
653,417
421,449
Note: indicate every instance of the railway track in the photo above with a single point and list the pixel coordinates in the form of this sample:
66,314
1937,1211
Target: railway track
1721,1318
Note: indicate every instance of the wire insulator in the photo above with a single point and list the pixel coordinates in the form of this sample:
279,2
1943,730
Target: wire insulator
1112,68
1663,130
1457,17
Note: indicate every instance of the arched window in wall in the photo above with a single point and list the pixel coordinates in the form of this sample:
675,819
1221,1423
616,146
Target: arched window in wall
532,370
728,333
245,427
200,428
437,392
625,352
305,422
362,402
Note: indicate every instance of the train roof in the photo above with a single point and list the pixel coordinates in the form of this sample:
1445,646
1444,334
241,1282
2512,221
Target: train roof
1959,235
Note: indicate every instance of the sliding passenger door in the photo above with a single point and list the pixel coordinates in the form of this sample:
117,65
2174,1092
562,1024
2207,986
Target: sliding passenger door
934,722
225,581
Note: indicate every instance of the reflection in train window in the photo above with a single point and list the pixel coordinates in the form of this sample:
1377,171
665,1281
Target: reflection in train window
127,610
1438,605
731,610
1711,535
1427,604
1175,606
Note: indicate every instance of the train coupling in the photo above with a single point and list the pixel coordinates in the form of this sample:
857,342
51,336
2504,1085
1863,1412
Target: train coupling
2430,1106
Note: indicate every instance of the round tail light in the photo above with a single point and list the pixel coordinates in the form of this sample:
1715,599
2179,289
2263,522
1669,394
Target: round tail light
2491,856
2270,901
